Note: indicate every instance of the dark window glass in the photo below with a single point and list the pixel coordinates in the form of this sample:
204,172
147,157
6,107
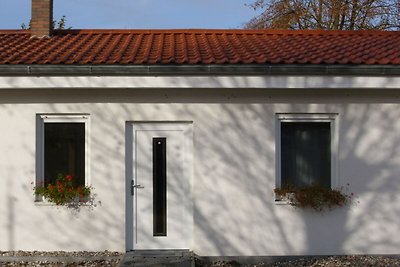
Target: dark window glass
305,153
160,186
64,151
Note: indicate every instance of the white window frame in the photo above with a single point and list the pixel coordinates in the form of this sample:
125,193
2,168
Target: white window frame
332,118
41,119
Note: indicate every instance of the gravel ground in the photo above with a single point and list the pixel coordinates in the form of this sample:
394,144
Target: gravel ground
331,261
105,263
59,258
111,259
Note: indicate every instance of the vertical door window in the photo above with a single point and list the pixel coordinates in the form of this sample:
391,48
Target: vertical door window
160,186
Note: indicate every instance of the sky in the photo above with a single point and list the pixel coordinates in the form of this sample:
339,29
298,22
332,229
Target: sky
135,14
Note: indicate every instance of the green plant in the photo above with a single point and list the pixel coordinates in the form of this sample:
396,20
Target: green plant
314,196
57,25
63,192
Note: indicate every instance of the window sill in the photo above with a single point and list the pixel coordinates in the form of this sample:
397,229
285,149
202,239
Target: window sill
284,200
43,202
280,202
49,204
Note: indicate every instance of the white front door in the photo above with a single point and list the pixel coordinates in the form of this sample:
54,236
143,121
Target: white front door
161,185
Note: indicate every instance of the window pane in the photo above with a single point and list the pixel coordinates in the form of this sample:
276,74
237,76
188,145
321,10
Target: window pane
160,186
64,151
305,153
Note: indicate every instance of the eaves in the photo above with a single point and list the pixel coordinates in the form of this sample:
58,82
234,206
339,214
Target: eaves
199,70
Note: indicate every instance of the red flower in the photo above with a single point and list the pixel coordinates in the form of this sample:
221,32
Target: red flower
68,177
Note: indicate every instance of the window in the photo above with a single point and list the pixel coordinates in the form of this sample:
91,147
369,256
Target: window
306,150
62,148
160,186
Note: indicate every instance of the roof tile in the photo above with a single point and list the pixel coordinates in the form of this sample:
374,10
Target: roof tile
80,47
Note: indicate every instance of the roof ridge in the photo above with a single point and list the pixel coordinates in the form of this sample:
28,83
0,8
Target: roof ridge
240,31
211,31
20,31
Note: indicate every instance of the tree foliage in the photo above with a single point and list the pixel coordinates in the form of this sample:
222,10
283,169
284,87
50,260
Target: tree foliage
326,14
61,24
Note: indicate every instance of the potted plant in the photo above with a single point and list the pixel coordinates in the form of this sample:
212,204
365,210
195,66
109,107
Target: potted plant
313,196
63,192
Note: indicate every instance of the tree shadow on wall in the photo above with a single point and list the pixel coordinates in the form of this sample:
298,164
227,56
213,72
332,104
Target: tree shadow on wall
234,172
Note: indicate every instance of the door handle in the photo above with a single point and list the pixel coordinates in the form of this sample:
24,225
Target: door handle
133,186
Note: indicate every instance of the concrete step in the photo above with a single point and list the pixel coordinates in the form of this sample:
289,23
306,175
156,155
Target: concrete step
158,258
161,253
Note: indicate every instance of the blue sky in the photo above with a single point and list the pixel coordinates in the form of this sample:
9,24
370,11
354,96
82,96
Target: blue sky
136,14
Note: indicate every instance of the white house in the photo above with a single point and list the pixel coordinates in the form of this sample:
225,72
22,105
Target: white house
206,115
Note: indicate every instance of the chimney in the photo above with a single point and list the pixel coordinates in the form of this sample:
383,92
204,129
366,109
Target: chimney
42,18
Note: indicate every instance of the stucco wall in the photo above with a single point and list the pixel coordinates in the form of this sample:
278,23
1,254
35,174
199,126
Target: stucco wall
234,170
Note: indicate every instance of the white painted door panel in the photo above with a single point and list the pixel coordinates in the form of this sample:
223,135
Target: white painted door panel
179,214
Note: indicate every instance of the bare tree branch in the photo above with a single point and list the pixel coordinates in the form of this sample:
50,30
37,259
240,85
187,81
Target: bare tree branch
326,14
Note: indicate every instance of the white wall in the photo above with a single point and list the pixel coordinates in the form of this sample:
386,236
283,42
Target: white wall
234,170
188,82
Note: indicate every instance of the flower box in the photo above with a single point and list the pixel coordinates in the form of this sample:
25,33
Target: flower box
63,192
314,196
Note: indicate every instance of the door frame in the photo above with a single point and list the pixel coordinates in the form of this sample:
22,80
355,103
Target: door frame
130,162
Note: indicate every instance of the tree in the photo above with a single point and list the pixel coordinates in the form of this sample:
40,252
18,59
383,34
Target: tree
57,25
326,14
61,24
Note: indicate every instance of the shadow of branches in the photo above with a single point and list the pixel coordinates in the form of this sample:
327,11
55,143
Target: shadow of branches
234,170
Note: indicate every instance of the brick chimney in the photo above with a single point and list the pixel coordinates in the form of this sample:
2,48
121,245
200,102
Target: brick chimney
42,18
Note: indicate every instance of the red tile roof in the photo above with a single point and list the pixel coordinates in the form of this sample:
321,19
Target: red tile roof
138,47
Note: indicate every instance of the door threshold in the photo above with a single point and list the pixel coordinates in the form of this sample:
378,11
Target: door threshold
160,252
